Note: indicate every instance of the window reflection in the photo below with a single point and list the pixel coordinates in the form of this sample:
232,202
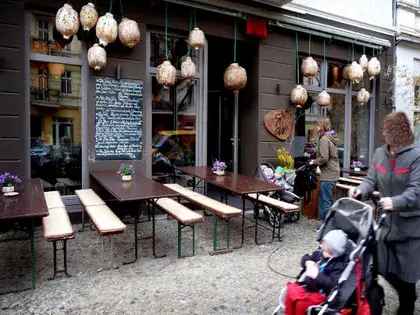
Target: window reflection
45,39
174,126
56,126
335,78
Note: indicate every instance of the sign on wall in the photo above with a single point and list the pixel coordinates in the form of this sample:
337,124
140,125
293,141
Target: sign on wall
119,119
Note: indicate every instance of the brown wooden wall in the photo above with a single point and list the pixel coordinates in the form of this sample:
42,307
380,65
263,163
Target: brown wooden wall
12,84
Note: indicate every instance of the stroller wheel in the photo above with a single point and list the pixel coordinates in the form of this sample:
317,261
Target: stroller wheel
272,216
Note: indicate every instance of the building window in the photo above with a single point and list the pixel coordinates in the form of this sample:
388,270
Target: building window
66,83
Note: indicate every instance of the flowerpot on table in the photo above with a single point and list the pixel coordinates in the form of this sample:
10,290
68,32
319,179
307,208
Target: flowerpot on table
126,178
219,173
7,189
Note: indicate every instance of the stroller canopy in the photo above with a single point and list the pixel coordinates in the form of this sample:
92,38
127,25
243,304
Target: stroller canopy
355,218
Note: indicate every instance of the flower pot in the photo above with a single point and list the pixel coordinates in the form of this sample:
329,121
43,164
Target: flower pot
219,173
7,189
126,178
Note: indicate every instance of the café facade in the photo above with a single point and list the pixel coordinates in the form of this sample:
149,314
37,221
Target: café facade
60,119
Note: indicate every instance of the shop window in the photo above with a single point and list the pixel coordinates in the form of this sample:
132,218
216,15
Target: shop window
46,40
66,83
417,91
56,126
360,124
173,125
177,50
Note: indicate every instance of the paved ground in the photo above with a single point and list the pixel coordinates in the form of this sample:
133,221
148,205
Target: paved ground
241,282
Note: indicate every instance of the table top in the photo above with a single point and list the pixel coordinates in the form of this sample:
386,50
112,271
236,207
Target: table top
30,203
235,183
139,188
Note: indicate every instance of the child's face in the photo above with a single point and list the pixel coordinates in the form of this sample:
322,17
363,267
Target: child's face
325,250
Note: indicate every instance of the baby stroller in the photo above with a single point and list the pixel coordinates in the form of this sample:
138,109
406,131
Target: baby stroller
357,290
266,172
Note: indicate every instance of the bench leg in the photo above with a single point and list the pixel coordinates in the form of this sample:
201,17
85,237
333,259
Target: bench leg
64,249
154,233
217,250
243,223
179,239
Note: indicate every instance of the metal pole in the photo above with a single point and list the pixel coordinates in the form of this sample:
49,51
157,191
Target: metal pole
235,133
219,133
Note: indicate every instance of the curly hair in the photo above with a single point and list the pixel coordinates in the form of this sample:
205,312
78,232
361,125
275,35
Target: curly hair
397,130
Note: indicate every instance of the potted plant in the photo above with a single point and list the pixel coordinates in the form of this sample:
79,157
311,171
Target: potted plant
126,171
8,182
219,167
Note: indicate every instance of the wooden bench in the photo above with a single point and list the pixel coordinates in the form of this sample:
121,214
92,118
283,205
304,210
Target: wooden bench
221,211
346,180
88,198
57,227
184,216
283,208
105,221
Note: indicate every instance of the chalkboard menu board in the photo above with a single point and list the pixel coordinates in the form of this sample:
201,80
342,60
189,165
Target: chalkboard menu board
119,119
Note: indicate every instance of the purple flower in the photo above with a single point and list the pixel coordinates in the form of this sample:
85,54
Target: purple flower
8,179
218,166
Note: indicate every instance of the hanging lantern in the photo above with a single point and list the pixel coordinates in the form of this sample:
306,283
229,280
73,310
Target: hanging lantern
106,29
196,39
129,32
96,57
363,96
56,70
309,67
67,21
187,68
324,99
346,72
166,74
355,72
235,77
363,61
88,16
299,96
374,67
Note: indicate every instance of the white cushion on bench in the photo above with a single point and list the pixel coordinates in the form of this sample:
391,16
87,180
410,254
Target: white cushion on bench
53,199
105,220
275,202
89,198
179,211
343,186
216,207
57,225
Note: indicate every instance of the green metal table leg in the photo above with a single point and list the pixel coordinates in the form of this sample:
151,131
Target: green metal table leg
228,234
33,254
193,239
215,234
179,240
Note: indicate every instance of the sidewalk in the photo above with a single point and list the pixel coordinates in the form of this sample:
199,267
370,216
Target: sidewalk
237,283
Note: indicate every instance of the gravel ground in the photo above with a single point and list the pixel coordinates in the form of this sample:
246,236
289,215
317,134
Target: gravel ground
240,282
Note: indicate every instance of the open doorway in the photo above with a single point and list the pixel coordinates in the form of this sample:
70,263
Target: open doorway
221,105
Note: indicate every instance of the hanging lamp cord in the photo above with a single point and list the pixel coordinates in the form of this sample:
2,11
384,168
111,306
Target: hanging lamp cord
190,22
166,30
352,51
121,9
309,45
297,58
110,6
234,40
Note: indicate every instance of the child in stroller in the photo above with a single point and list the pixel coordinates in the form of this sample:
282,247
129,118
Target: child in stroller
320,273
355,290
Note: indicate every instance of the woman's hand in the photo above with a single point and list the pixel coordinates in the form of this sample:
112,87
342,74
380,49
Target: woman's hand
386,203
354,192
